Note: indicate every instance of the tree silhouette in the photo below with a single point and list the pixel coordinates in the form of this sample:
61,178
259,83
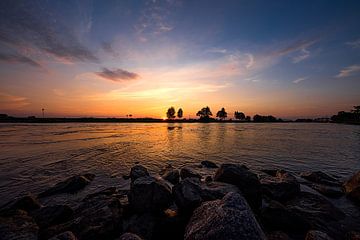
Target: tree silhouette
204,113
248,118
239,115
222,114
170,113
180,113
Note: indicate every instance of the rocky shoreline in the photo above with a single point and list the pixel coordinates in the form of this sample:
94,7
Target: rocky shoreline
231,202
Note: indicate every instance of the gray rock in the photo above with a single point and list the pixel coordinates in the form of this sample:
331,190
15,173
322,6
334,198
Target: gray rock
137,172
70,185
19,226
209,164
229,218
187,172
328,191
52,215
68,235
352,187
320,177
244,179
317,235
149,194
283,186
172,176
129,236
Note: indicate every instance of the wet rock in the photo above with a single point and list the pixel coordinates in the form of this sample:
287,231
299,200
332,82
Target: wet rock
328,191
52,215
70,185
317,211
317,235
137,172
208,179
320,177
141,224
129,236
277,235
276,217
352,187
171,225
187,172
19,226
68,235
27,203
229,218
244,179
172,176
190,193
281,187
149,194
209,164
352,235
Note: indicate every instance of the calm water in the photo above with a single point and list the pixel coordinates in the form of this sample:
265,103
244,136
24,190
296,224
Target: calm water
35,156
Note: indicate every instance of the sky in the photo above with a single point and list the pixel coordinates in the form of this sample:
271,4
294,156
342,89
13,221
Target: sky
291,59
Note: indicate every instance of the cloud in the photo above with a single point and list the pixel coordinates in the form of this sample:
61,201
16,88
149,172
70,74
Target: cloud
18,58
296,81
348,71
107,47
354,44
300,45
251,61
304,54
217,50
117,75
11,102
24,24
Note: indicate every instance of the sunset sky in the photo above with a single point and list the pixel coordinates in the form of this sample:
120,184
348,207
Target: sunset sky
111,58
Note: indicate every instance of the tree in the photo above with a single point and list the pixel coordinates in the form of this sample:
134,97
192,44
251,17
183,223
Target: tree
170,113
204,113
222,114
180,113
239,115
248,118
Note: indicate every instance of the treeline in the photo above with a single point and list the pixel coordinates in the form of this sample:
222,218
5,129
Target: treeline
205,115
348,117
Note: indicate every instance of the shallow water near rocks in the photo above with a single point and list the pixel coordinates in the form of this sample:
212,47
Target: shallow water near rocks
36,156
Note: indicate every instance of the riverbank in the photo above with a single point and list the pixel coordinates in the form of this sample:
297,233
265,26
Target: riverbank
229,201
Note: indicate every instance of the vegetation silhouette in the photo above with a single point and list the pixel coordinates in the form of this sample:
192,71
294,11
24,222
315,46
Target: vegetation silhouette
204,114
222,114
270,118
352,117
170,114
180,113
239,115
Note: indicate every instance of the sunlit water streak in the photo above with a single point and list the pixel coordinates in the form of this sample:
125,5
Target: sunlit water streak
35,156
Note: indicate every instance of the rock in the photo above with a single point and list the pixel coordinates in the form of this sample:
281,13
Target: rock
141,224
245,180
137,172
70,185
277,235
328,191
19,226
283,186
190,193
129,236
352,235
187,172
27,203
317,235
52,215
320,177
172,176
171,225
229,218
149,194
64,236
209,164
208,179
317,211
352,187
276,217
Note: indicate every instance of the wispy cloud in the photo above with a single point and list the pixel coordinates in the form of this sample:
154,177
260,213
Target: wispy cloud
117,75
11,102
300,47
354,44
304,54
217,50
18,58
298,80
348,71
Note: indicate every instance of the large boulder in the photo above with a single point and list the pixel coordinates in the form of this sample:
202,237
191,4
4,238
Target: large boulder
321,178
52,215
188,172
208,164
328,191
244,179
149,194
317,235
229,218
190,193
275,217
19,226
352,187
68,235
283,186
352,235
129,236
172,176
277,235
70,185
27,203
142,224
138,171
